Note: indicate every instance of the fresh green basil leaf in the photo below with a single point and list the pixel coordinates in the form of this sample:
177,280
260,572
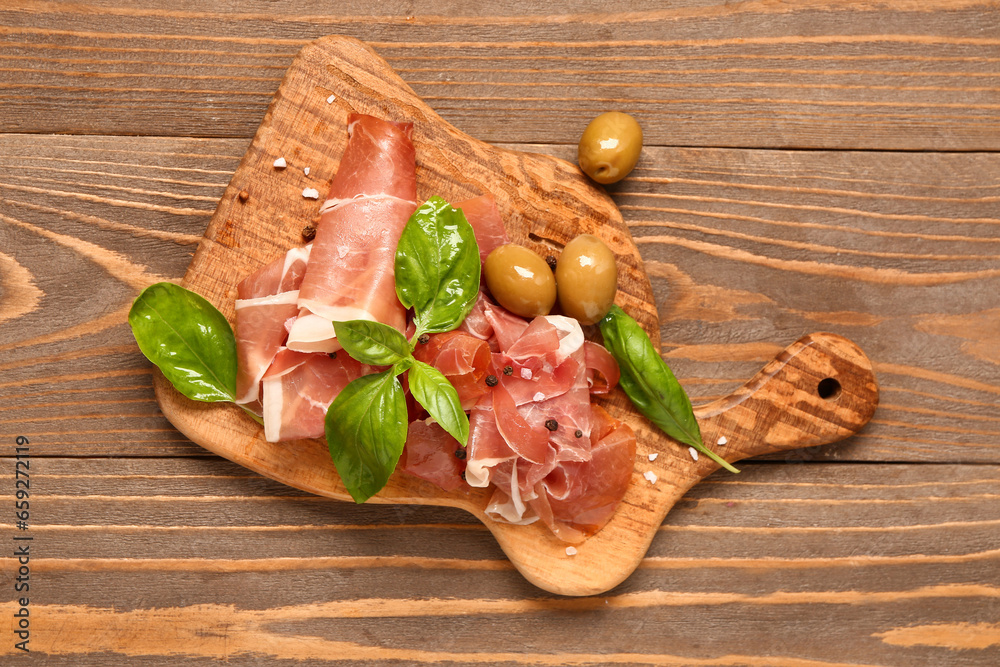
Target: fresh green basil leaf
650,384
372,342
433,391
437,267
188,339
403,365
366,431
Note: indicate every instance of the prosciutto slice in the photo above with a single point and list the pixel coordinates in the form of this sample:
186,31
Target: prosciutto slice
463,359
299,387
430,455
266,300
602,369
581,496
350,271
487,225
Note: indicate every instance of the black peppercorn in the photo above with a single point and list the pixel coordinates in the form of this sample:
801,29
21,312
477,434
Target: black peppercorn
309,232
551,261
551,424
491,380
332,355
460,453
508,370
578,433
424,338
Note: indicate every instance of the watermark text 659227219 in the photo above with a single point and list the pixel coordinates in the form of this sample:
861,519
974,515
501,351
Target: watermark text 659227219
22,542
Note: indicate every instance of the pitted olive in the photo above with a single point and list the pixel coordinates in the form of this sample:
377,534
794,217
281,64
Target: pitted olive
520,280
609,147
587,279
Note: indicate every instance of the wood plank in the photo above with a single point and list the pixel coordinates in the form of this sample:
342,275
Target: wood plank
741,247
819,74
890,564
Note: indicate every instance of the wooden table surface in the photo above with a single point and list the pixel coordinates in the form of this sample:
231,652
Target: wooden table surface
813,165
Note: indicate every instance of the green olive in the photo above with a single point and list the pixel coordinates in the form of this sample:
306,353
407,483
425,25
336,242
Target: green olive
520,280
609,147
587,276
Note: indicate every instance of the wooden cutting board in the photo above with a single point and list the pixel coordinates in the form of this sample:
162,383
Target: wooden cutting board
819,390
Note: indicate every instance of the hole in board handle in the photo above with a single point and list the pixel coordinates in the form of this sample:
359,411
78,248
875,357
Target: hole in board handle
828,389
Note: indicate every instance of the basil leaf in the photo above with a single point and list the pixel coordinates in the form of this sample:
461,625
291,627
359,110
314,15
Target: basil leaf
372,342
437,267
188,340
650,384
366,431
433,391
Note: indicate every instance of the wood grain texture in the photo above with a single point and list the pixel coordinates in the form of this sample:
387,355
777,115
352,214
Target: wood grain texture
865,559
821,73
197,561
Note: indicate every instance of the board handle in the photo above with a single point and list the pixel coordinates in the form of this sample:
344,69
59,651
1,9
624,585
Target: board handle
818,390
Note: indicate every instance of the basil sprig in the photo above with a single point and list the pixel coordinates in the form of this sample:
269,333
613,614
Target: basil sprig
188,339
365,430
437,274
437,267
650,384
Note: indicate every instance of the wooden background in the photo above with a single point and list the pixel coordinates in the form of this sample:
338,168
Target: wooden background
816,165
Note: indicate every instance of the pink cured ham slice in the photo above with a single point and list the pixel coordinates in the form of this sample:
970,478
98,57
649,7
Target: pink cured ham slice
284,274
529,440
430,454
507,327
463,359
486,222
487,448
350,271
299,387
544,360
561,398
265,301
577,499
602,369
475,322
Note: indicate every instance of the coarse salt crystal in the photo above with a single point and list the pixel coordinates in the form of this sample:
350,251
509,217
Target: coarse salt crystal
538,397
310,193
722,440
652,457
570,551
525,374
330,99
651,476
280,163
694,453
306,171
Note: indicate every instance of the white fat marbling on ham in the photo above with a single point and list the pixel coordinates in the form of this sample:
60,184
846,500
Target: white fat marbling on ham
334,203
285,298
267,299
507,503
